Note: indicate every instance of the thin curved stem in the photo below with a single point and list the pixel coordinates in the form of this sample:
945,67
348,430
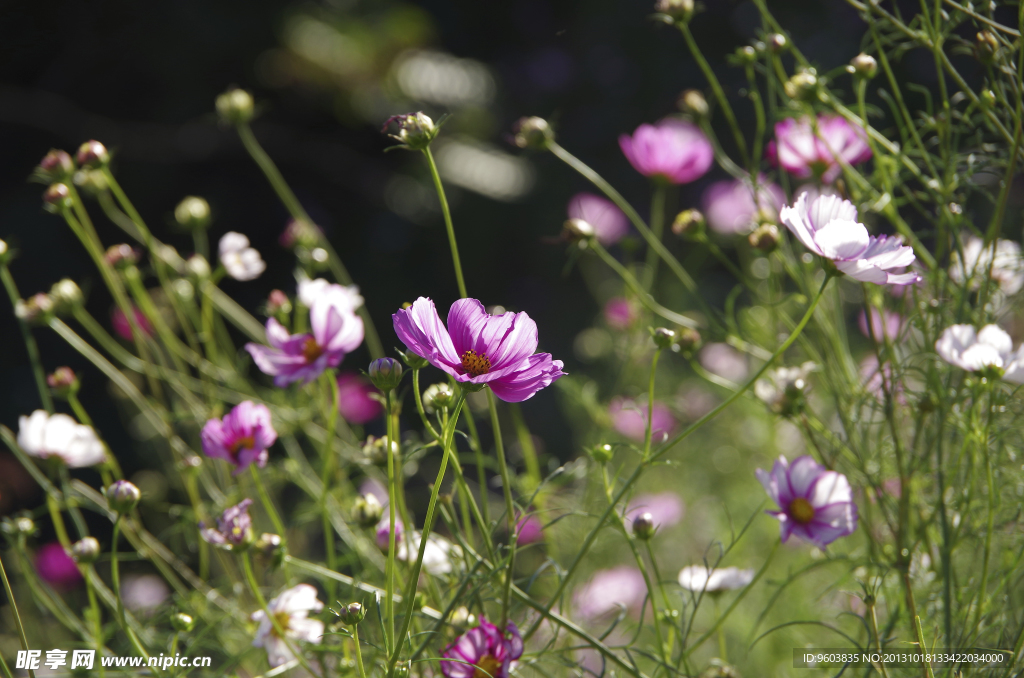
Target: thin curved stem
456,262
510,510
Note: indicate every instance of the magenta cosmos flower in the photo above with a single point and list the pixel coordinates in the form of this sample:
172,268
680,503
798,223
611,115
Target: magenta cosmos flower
815,504
674,150
123,328
620,313
337,330
629,418
730,208
483,651
805,152
828,227
56,567
241,437
478,348
355,399
609,223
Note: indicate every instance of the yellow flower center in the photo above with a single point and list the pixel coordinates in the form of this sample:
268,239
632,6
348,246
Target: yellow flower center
801,510
311,350
246,443
488,666
475,363
282,619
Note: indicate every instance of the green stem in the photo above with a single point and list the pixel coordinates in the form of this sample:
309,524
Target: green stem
359,652
14,609
325,478
88,573
268,503
510,511
389,604
447,222
648,429
115,576
657,229
30,341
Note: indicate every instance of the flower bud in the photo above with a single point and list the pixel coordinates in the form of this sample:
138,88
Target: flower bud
745,56
415,130
863,65
664,338
438,397
192,213
65,294
278,303
643,526
21,524
765,237
402,668
55,166
677,10
386,374
121,256
92,154
462,618
367,510
36,309
92,181
57,198
352,614
85,550
183,623
578,230
689,223
198,266
533,132
374,450
986,47
235,106
802,85
271,547
3,250
122,496
688,339
777,42
692,101
988,98
413,361
63,382
602,454
299,233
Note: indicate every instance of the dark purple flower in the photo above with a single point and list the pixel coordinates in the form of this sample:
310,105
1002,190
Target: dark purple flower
630,419
55,567
337,330
241,437
804,152
234,527
815,504
730,208
478,348
609,223
355,401
483,651
674,150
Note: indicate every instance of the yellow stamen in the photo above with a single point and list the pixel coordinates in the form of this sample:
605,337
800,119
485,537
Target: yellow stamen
476,363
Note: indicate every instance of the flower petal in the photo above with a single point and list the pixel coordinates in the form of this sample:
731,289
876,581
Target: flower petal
536,372
842,240
421,330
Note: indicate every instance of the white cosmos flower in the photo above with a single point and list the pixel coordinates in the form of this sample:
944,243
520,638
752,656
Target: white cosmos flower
290,609
1007,267
240,261
58,435
347,298
700,578
436,557
989,349
827,225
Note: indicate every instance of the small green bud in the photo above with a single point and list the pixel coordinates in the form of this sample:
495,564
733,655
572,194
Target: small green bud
183,623
745,55
987,47
802,85
533,132
198,266
352,614
85,550
688,339
367,510
692,101
121,256
664,338
777,42
271,547
415,130
677,10
122,496
402,669
92,154
386,374
57,198
37,309
55,166
578,230
863,65
235,106
66,294
192,213
643,526
988,98
63,382
689,223
765,237
438,397
413,361
603,453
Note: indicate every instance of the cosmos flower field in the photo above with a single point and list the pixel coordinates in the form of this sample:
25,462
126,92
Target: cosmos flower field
824,459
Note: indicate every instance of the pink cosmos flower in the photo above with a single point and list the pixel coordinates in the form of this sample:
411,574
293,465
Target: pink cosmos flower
629,418
828,227
609,223
119,321
815,504
478,348
665,507
674,150
241,437
608,590
877,379
804,152
885,324
620,313
723,360
55,567
234,526
483,651
729,206
988,351
337,330
529,530
354,399
383,532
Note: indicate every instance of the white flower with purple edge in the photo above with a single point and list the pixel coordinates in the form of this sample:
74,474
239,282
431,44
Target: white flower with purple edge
814,503
290,609
990,350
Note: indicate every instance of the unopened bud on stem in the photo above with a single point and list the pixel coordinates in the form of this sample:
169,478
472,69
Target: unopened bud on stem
192,213
533,132
863,65
92,154
677,10
235,106
386,373
692,101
